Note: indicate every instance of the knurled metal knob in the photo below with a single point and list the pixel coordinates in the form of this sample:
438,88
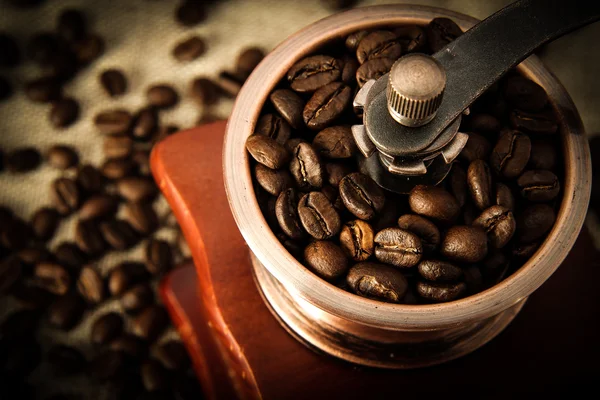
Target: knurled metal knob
415,89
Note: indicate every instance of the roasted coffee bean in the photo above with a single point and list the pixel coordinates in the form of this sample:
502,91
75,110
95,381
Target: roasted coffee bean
504,196
24,159
286,211
433,202
273,126
440,32
124,276
34,254
373,69
477,148
378,44
314,72
21,358
141,161
69,255
19,324
43,47
439,271
89,238
88,49
63,65
539,123
6,215
291,144
136,189
267,151
151,323
98,207
441,292
349,71
66,311
117,168
6,89
154,376
511,153
15,235
290,106
398,247
113,122
525,94
62,157
66,360
173,355
118,234
361,195
465,244
90,179
10,55
539,185
326,259
479,181
106,328
106,366
189,49
159,257
141,216
495,267
90,285
335,142
377,281
52,277
43,90
273,181
146,124
44,223
204,91
306,167
11,270
248,59
357,240
190,13
484,123
535,221
423,228
137,298
318,217
162,96
353,40
130,345
230,83
543,155
117,146
336,172
326,105
458,184
71,24
64,112
499,223
114,82
411,37
66,195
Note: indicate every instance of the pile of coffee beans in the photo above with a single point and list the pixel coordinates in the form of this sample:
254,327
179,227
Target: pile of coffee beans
58,287
436,243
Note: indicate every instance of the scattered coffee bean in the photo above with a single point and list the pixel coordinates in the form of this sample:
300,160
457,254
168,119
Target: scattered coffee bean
64,112
106,328
479,181
34,254
441,292
69,255
377,281
89,238
6,89
248,59
71,25
44,223
10,56
290,106
136,189
146,124
66,360
373,69
151,323
141,162
141,216
66,195
204,91
433,202
190,13
11,270
113,122
267,151
106,366
43,90
306,167
525,94
423,228
440,32
464,244
499,223
117,168
89,179
137,298
62,157
357,240
398,247
117,146
326,259
154,376
335,142
53,278
88,49
378,44
24,159
326,105
230,83
114,82
162,96
66,311
124,276
273,181
159,257
539,185
15,235
535,221
98,207
189,49
439,271
90,285
118,234
43,47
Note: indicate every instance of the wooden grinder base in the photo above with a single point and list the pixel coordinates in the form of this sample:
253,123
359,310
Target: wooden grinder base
240,350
